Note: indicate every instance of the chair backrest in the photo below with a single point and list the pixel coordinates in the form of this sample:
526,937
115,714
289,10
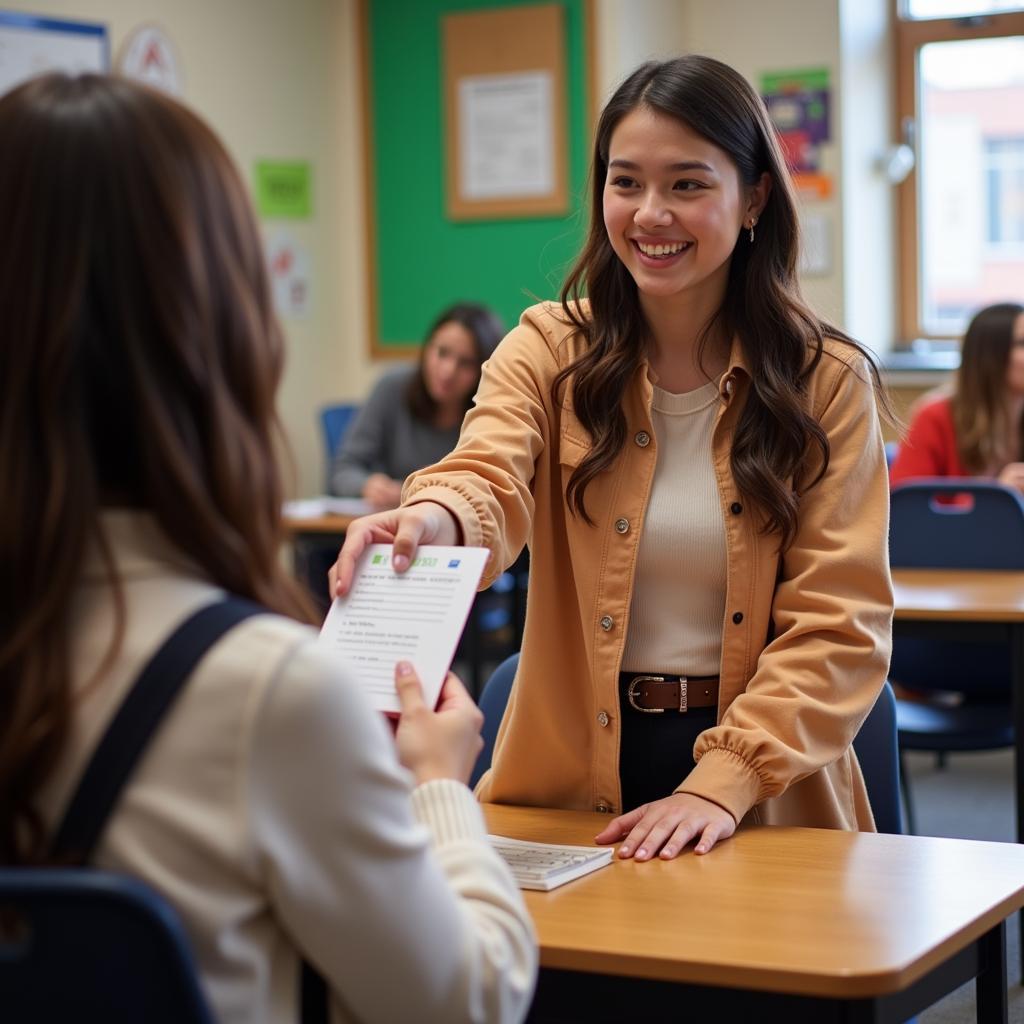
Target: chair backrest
82,944
933,527
334,421
493,699
877,750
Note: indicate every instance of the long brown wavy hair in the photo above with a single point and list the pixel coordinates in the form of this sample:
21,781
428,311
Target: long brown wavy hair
139,367
981,414
778,444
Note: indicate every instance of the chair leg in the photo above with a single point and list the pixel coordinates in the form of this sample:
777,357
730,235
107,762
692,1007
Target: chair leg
941,760
908,802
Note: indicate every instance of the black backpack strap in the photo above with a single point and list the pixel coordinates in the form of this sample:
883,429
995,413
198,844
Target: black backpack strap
138,718
126,738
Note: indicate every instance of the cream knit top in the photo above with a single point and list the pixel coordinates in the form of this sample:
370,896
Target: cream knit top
675,618
272,812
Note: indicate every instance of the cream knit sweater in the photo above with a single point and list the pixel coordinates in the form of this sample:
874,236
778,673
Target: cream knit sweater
271,811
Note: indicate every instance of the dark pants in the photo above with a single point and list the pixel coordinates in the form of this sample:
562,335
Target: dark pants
656,753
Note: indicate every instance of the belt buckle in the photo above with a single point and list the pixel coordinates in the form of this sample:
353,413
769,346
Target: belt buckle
682,695
631,693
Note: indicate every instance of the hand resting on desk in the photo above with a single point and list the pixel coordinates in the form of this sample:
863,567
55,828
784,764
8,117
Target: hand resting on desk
667,826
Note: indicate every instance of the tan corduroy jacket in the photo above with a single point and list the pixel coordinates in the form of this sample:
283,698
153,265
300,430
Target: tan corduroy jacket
805,638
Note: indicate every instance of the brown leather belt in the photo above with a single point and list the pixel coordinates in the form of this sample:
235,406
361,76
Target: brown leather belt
655,694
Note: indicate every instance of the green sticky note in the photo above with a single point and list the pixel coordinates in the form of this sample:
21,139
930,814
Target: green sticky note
284,188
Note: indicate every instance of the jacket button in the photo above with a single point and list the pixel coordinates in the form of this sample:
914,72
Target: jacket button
642,438
727,386
603,808
735,508
602,718
607,622
737,617
622,526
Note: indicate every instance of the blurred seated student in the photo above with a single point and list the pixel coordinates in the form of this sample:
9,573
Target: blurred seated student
977,428
137,384
413,416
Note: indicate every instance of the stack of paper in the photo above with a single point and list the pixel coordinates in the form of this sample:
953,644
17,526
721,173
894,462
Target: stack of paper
325,505
546,865
415,616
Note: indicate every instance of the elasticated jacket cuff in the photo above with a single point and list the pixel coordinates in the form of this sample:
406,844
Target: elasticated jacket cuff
724,778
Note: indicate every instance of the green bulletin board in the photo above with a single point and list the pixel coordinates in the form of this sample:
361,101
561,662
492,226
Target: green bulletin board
419,261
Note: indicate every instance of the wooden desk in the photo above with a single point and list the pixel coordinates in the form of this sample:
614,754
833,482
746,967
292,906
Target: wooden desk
313,540
971,605
319,526
786,924
959,595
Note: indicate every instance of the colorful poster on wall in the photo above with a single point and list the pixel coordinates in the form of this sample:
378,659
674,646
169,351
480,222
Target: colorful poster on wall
289,265
799,101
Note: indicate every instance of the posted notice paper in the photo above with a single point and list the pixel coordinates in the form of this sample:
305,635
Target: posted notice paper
416,616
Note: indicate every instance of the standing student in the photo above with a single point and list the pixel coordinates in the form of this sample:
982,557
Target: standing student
413,416
978,428
695,459
138,374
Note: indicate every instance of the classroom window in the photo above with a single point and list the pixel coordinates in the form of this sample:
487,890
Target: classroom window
957,8
961,106
1004,172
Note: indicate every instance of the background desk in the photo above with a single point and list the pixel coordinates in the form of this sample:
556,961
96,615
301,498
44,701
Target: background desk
971,605
793,924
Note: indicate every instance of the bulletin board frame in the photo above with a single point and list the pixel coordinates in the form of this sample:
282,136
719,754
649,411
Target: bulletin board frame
505,41
418,259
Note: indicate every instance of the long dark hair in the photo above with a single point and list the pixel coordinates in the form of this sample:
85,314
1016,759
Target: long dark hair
486,330
981,414
139,368
777,440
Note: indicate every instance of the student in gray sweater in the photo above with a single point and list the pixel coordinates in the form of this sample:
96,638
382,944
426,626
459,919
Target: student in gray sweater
413,415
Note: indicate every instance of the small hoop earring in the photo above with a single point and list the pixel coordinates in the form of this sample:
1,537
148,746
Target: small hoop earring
753,221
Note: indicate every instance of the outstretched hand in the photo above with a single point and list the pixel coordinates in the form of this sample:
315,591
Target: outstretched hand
664,827
407,528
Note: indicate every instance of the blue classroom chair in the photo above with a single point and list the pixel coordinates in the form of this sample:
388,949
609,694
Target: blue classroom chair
78,944
334,421
953,523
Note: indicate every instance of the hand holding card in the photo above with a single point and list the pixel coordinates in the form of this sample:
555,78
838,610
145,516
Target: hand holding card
416,616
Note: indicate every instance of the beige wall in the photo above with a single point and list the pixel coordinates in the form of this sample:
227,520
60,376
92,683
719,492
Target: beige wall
276,79
850,38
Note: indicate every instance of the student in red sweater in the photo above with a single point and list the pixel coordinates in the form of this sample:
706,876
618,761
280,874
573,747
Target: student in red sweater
978,429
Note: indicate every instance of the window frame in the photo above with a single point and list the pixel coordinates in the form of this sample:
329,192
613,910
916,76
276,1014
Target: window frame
910,36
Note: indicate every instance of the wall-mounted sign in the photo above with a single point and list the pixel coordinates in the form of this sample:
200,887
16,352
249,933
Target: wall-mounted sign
284,189
798,102
30,45
289,267
149,56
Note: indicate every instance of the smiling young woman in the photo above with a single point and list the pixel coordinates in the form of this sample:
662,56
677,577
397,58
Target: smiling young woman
695,460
